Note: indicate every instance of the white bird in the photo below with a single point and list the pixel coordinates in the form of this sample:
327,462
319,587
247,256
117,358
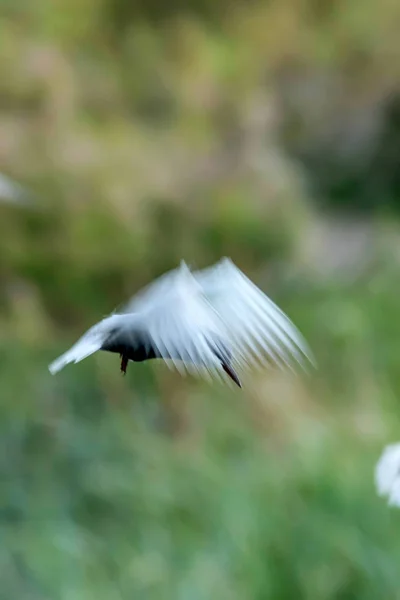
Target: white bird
207,322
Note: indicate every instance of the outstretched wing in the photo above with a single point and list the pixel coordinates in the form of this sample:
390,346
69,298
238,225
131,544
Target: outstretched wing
156,293
88,344
258,330
184,329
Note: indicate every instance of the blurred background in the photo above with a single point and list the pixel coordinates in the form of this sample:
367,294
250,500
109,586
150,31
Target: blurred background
146,132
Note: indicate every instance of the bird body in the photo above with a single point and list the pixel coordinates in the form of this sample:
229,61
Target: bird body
206,322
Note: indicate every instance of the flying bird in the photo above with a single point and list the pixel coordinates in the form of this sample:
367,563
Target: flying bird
213,322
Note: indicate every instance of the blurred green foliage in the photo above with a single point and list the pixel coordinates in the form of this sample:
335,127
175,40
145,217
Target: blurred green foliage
151,132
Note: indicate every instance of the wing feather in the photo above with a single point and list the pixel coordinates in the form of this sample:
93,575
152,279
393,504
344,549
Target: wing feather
184,327
258,329
156,293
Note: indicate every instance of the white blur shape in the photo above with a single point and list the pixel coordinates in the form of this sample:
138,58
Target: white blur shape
12,192
387,474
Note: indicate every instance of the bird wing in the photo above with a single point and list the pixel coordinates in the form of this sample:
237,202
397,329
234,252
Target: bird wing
154,294
88,344
258,330
184,329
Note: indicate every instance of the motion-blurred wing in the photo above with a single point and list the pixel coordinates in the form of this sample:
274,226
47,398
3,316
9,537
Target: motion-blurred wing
156,293
184,329
258,330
